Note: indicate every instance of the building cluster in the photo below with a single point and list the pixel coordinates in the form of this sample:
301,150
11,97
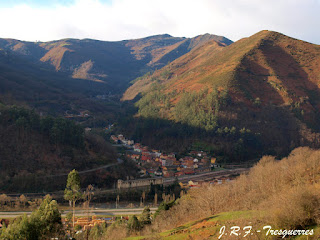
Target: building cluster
87,223
154,163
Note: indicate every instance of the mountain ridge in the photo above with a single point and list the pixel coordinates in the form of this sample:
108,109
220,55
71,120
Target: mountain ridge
116,63
241,86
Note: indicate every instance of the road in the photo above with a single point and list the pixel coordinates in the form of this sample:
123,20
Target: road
205,176
96,211
119,161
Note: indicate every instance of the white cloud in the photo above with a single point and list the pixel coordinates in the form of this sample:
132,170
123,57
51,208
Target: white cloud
126,19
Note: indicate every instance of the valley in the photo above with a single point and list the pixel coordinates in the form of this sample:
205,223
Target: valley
185,126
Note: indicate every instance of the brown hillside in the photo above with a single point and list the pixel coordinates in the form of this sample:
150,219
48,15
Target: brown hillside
176,70
276,68
267,83
55,55
116,63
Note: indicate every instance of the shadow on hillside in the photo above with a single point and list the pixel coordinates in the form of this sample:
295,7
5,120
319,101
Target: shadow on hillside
254,83
273,131
295,80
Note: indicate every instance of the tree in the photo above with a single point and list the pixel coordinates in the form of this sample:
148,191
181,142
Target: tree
164,206
257,102
3,199
98,231
145,216
44,223
133,224
155,199
48,217
72,192
87,197
23,200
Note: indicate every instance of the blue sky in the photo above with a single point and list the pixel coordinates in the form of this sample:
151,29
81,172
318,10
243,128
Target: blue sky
35,3
126,19
42,3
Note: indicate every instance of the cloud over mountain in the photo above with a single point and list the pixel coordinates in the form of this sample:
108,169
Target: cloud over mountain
126,19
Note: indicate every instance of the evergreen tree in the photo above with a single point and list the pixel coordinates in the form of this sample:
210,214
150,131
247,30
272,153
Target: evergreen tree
72,191
44,223
145,216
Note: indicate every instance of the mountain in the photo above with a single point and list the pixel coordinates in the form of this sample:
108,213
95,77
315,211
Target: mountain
114,63
267,83
23,82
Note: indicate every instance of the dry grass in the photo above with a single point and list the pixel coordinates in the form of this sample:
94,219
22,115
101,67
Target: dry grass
287,192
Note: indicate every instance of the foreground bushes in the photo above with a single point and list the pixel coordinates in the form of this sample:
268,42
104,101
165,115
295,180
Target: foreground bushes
44,223
287,192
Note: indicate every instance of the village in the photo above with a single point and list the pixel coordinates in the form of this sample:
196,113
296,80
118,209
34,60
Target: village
154,163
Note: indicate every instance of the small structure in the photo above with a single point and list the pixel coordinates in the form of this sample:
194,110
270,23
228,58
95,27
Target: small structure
139,183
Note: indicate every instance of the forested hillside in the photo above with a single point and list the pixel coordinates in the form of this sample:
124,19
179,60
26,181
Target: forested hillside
35,149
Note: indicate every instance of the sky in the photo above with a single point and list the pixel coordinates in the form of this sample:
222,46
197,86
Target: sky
113,20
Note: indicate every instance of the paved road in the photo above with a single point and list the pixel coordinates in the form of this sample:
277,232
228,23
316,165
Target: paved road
96,211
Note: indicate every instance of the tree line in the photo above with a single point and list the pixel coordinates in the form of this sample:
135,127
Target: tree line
58,130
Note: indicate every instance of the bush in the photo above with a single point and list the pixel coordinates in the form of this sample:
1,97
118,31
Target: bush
286,192
296,208
43,223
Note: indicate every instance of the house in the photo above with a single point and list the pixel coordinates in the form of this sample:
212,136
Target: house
156,153
130,142
114,138
163,162
146,156
187,162
137,147
134,156
167,162
158,173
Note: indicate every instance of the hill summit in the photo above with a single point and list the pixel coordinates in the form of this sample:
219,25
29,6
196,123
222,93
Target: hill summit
114,63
